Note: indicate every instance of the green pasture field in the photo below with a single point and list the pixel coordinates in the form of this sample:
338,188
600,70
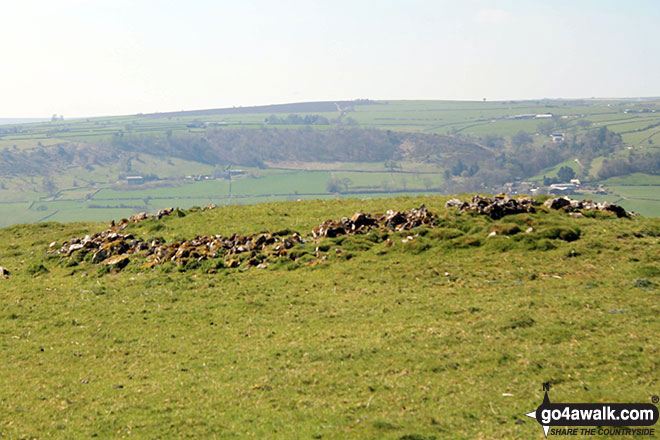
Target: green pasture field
14,212
471,117
448,335
104,204
359,181
642,138
635,179
635,124
647,192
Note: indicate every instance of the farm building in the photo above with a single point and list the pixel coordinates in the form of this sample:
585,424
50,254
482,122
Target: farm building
135,180
557,138
562,188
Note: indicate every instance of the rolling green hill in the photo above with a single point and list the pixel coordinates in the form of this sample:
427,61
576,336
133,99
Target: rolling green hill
442,331
59,170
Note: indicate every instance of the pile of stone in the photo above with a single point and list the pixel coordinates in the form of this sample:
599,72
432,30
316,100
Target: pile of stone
115,249
140,217
102,245
576,206
204,247
495,207
503,205
360,223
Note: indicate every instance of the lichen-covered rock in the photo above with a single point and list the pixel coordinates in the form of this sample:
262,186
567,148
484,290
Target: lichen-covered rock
118,262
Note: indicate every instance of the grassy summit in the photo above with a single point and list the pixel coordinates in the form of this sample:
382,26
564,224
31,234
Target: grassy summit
387,337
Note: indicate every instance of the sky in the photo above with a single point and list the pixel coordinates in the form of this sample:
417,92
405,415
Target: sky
111,57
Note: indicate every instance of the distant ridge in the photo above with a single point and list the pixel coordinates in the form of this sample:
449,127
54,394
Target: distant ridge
297,107
11,121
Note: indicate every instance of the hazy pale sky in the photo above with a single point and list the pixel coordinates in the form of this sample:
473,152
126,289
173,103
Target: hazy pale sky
107,57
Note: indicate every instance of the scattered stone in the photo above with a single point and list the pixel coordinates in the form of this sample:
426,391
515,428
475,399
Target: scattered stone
115,249
361,223
557,203
495,207
503,205
575,206
140,217
109,245
456,203
616,209
643,283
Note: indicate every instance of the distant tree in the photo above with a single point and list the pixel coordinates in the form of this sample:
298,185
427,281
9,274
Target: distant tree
345,183
392,165
494,141
458,169
560,122
584,123
474,169
547,126
49,186
333,186
566,173
521,139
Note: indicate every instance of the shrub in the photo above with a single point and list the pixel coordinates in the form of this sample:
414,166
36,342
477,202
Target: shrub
35,269
357,244
649,271
445,234
566,234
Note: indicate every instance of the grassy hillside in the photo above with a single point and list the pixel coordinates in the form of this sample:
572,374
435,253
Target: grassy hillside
446,335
